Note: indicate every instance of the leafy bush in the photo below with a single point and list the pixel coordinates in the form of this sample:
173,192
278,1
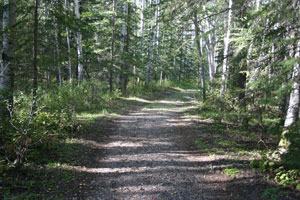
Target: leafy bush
139,89
283,176
291,160
35,124
219,109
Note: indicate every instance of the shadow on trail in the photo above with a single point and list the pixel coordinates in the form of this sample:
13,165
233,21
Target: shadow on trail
151,154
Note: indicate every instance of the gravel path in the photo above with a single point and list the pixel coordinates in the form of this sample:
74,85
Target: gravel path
151,154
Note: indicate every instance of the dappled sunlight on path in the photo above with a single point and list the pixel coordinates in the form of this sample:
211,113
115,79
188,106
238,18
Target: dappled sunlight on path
151,154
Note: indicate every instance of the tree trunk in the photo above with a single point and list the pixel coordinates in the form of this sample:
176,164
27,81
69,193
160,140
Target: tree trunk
67,5
157,60
59,76
6,65
112,48
79,44
293,106
35,50
142,26
210,45
150,53
199,50
126,40
226,47
135,40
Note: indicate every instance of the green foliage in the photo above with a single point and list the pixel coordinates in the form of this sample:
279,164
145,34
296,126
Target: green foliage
291,159
33,129
270,193
283,176
201,143
231,171
261,165
287,177
219,109
140,89
35,125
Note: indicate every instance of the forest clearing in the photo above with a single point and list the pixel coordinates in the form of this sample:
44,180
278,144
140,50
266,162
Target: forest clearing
150,99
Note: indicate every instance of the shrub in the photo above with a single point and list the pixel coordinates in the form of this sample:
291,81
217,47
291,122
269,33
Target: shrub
35,124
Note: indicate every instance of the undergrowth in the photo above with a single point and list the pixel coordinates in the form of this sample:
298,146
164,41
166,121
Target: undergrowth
35,134
256,121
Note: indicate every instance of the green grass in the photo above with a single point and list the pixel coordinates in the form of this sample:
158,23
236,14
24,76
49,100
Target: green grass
231,171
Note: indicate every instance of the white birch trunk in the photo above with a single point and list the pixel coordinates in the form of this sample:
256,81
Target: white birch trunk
226,48
209,46
5,62
292,112
135,38
98,56
67,6
257,5
293,107
150,52
198,42
161,69
57,55
157,35
57,51
79,43
142,25
249,53
150,55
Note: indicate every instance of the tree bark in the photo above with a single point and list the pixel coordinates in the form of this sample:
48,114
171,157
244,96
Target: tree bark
59,75
293,106
79,44
211,48
126,40
200,53
67,5
157,60
6,73
226,47
142,26
112,48
150,53
35,50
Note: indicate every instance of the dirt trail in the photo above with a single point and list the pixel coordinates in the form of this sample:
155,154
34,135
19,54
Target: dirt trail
151,154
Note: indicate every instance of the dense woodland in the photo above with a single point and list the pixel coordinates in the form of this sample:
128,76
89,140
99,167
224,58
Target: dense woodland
61,57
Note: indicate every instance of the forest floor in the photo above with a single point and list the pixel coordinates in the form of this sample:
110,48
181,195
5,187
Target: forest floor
158,149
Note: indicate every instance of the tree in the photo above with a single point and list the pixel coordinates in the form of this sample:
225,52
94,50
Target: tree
226,46
79,44
292,114
200,54
7,63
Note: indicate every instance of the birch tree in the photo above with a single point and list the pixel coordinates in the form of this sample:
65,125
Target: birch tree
210,46
6,66
67,6
293,106
200,54
150,49
35,50
125,46
112,52
226,47
79,43
292,114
